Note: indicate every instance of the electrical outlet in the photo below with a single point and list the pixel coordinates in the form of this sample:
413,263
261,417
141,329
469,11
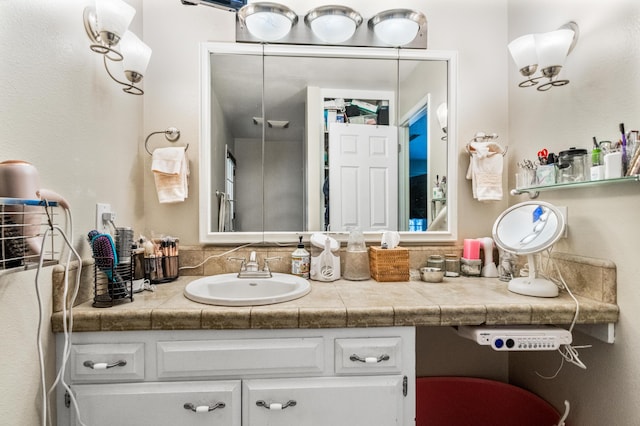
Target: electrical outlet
102,226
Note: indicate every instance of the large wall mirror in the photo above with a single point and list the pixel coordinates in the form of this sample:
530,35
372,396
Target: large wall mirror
301,139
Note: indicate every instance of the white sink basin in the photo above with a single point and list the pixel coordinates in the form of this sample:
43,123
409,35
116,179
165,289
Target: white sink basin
229,290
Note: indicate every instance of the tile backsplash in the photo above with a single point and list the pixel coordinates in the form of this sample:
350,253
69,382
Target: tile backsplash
588,277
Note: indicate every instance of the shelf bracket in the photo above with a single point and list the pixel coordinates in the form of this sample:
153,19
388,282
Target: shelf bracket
603,332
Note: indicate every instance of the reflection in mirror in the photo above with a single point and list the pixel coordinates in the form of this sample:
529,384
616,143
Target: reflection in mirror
423,173
279,150
236,172
529,228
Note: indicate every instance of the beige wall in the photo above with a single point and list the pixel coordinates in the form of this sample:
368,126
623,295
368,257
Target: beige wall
60,111
604,70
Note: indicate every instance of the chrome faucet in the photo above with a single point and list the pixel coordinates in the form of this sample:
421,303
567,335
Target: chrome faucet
251,269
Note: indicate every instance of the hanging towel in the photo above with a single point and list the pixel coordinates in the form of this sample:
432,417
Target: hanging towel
485,170
170,168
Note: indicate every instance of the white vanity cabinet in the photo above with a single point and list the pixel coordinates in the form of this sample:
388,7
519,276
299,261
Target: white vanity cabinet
350,377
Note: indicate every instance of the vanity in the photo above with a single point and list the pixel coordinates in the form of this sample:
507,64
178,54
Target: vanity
344,354
243,377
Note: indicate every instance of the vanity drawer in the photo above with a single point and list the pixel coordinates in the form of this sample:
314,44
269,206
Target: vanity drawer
169,403
368,355
123,362
240,357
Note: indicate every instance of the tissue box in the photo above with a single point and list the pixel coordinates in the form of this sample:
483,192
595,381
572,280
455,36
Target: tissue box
389,264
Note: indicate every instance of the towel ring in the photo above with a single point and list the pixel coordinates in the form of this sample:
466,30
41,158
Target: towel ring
470,151
172,134
483,137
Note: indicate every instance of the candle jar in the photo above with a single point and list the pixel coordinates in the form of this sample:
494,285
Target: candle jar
435,261
451,266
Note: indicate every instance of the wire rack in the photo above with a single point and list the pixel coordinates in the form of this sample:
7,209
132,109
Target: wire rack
22,228
113,283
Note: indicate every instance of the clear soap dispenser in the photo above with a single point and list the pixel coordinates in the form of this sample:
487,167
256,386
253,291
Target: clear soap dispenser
356,262
300,261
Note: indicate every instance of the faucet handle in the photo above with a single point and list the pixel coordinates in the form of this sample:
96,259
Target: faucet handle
267,260
243,265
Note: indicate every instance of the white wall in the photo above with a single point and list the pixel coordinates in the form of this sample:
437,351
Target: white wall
60,111
604,70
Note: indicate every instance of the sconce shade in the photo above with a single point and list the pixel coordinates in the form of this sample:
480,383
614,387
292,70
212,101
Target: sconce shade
397,27
333,24
135,52
268,21
114,17
553,47
442,113
523,51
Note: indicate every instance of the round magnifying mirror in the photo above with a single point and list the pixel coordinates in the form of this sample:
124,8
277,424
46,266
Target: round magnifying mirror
526,229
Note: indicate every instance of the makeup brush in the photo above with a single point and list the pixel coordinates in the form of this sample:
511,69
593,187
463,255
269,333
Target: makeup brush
624,149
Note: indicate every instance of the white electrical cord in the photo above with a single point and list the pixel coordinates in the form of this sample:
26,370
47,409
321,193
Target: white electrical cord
46,413
568,352
216,255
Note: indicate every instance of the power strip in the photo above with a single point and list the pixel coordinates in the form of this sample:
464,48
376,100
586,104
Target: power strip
517,338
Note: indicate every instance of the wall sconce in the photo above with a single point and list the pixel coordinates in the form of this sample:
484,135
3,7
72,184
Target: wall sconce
442,113
333,25
546,52
397,27
106,26
268,21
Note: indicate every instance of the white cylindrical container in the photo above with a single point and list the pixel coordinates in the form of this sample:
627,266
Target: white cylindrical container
613,165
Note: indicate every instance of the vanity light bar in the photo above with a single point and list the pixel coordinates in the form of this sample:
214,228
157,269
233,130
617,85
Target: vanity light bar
363,36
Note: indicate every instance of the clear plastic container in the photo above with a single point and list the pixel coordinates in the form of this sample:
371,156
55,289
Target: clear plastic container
356,261
573,166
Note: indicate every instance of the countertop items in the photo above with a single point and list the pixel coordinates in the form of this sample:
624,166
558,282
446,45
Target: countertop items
342,303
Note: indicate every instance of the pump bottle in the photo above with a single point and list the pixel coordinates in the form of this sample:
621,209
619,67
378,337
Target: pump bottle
300,260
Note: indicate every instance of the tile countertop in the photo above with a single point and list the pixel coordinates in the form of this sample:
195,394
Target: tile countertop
455,301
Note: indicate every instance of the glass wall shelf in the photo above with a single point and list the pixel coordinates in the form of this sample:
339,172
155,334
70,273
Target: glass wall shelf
534,191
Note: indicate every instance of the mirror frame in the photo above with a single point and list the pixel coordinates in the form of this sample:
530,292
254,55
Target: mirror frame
266,237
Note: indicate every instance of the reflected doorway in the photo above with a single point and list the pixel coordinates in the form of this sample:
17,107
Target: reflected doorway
418,171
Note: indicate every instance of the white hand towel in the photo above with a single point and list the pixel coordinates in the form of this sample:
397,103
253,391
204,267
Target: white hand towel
485,170
170,167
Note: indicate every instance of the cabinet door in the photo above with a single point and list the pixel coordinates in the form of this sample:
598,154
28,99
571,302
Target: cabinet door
170,404
322,401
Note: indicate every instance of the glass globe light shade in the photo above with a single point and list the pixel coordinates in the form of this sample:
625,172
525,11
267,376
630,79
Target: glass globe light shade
396,31
268,26
113,17
136,54
523,51
553,47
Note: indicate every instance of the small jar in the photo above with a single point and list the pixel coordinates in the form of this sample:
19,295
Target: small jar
451,266
435,261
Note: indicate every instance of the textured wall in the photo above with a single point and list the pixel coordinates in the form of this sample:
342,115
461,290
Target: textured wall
60,111
604,70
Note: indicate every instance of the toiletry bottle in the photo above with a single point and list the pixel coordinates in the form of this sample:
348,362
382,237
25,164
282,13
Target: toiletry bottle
300,260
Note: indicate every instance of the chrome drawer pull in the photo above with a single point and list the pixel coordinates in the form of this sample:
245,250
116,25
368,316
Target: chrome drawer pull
370,359
104,365
276,405
203,408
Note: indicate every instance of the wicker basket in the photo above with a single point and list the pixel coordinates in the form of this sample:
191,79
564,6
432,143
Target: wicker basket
389,264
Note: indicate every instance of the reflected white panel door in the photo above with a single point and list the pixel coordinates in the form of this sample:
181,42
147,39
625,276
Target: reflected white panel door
363,177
